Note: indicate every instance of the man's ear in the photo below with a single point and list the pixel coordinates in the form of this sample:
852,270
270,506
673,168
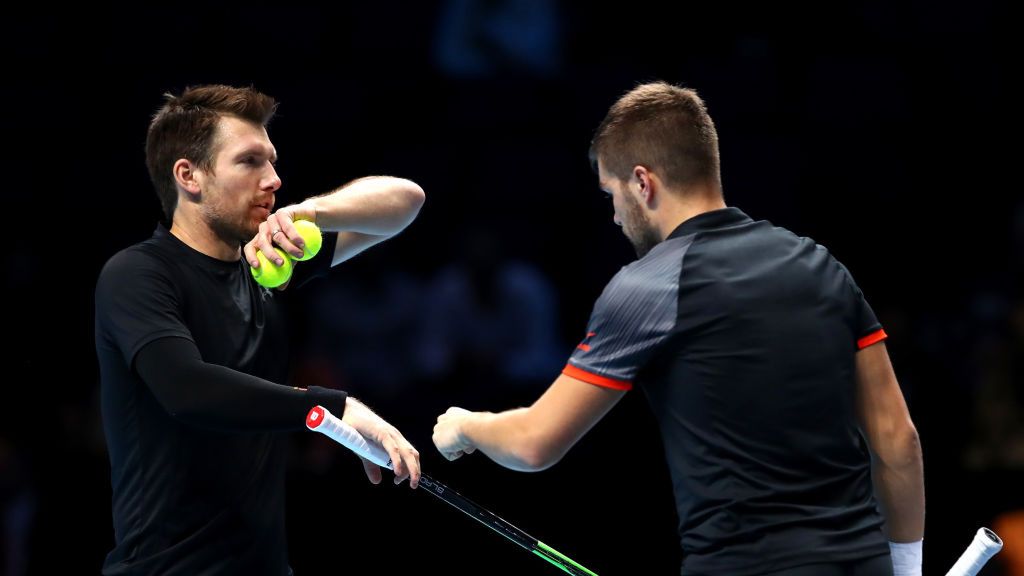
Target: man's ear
644,181
188,176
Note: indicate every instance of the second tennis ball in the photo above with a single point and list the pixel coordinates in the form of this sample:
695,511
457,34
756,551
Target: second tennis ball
269,274
311,236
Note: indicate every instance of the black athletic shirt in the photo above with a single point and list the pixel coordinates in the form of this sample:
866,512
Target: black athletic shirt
193,361
743,336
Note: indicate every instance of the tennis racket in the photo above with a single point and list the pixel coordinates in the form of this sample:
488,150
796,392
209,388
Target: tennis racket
321,420
984,546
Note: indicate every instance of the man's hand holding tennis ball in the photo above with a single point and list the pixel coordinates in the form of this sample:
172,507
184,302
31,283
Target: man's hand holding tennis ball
289,241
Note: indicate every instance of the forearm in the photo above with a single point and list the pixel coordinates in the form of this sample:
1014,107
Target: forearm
507,439
899,486
220,398
377,205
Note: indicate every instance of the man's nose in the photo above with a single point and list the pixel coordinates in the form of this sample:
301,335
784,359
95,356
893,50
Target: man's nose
272,181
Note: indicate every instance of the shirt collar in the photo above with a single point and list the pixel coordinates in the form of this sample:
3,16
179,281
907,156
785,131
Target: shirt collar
712,220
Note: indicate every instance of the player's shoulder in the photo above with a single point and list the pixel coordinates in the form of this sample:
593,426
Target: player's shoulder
819,253
137,255
656,274
667,255
798,241
138,261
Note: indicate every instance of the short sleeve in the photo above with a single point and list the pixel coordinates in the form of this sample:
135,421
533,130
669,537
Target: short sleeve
137,303
633,316
866,327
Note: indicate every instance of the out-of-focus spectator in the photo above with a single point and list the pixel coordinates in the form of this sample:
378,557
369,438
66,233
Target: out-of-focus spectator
487,315
365,325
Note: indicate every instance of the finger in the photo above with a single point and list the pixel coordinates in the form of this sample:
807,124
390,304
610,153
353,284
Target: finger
448,447
265,243
407,464
397,465
285,235
469,450
438,439
372,471
250,254
412,465
253,247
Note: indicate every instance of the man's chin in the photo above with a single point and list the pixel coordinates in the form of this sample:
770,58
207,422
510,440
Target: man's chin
249,230
241,234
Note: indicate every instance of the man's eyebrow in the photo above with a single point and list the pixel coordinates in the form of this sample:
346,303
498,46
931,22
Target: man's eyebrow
256,150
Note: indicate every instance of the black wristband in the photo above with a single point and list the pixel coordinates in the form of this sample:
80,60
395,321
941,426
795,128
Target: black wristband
333,400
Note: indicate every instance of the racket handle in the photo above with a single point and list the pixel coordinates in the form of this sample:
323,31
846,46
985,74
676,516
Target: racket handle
321,420
984,546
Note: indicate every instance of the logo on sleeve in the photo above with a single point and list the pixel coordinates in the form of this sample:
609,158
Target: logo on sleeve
585,345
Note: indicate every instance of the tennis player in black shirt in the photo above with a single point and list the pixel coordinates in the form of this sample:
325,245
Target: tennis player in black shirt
193,353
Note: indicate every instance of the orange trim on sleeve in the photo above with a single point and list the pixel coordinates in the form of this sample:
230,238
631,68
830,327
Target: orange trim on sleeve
589,378
871,339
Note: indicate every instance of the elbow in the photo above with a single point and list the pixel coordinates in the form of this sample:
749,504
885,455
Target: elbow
903,448
538,457
412,195
408,198
186,412
911,442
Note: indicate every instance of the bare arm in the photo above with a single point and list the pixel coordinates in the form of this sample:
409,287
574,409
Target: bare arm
527,439
364,212
897,465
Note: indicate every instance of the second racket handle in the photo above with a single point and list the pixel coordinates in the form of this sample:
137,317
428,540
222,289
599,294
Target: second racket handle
985,545
321,420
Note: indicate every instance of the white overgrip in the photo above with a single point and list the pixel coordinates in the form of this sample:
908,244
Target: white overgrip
984,546
321,420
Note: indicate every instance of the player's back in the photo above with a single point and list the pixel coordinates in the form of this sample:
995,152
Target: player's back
754,393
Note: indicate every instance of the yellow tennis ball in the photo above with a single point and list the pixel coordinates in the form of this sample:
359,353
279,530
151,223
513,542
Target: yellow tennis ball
312,237
269,274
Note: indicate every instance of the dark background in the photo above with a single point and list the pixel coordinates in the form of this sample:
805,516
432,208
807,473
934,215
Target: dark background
882,130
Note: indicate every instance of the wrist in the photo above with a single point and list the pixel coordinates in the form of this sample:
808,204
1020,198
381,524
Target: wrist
305,210
906,558
467,425
352,411
310,207
463,432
